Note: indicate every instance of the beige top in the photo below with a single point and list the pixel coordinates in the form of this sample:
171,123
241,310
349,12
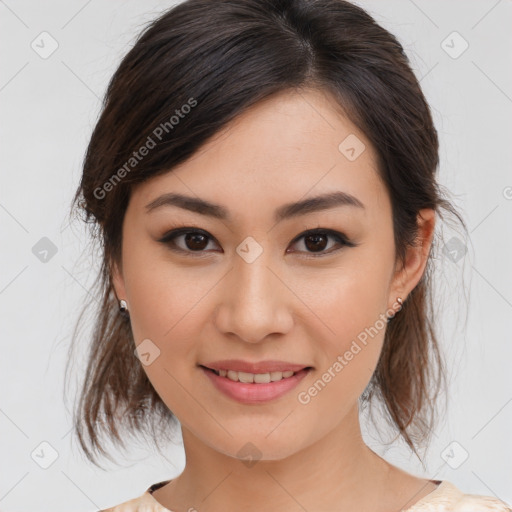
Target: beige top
445,498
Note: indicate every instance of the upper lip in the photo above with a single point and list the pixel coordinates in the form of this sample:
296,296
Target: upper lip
238,365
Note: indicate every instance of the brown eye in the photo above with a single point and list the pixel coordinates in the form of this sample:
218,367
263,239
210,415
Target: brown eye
187,240
317,241
196,241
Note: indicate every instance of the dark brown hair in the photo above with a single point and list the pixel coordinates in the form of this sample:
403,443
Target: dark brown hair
219,57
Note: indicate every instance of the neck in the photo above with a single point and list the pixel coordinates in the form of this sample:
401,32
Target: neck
345,472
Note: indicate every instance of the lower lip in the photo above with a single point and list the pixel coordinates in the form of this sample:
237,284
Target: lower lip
252,393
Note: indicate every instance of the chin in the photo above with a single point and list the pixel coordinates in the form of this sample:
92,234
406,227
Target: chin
260,444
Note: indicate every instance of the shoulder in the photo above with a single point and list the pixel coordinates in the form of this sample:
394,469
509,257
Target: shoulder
144,503
471,502
133,505
447,497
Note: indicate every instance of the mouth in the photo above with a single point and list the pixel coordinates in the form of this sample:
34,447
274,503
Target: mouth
254,388
256,378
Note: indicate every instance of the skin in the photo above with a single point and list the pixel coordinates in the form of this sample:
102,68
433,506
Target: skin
288,305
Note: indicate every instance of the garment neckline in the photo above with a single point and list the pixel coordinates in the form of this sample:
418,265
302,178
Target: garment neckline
442,485
152,488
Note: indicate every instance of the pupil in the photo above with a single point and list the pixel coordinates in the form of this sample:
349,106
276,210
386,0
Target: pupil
316,244
195,241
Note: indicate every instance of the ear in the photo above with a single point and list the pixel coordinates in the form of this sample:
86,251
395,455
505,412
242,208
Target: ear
407,278
118,281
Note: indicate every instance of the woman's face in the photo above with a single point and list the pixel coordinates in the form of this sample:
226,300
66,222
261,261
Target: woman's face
249,284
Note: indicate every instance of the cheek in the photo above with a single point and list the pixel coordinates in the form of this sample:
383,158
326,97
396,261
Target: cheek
352,298
349,356
164,296
167,308
352,304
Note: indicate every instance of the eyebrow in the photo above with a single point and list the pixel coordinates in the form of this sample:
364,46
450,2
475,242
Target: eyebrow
287,211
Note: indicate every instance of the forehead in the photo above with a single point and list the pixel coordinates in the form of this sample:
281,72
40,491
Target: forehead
282,149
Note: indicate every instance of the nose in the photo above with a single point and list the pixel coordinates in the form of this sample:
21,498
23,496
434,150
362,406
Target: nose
254,302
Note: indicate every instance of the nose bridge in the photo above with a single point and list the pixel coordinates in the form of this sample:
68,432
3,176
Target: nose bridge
254,303
254,281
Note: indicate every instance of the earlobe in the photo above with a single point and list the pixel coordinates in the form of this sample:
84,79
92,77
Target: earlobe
118,281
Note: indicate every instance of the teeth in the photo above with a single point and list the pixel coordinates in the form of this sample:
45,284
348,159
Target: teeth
258,378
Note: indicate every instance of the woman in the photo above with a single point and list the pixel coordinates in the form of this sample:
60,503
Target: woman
263,181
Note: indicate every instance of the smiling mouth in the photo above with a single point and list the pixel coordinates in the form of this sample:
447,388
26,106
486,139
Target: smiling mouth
256,378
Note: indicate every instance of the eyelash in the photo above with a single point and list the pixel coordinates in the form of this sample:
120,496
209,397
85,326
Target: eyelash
170,236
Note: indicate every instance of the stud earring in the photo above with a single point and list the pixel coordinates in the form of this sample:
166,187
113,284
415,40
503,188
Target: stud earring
400,301
123,307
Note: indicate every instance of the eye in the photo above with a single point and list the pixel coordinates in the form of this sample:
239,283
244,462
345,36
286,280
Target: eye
317,240
194,240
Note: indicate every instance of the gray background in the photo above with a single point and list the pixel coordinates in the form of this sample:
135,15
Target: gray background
48,108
